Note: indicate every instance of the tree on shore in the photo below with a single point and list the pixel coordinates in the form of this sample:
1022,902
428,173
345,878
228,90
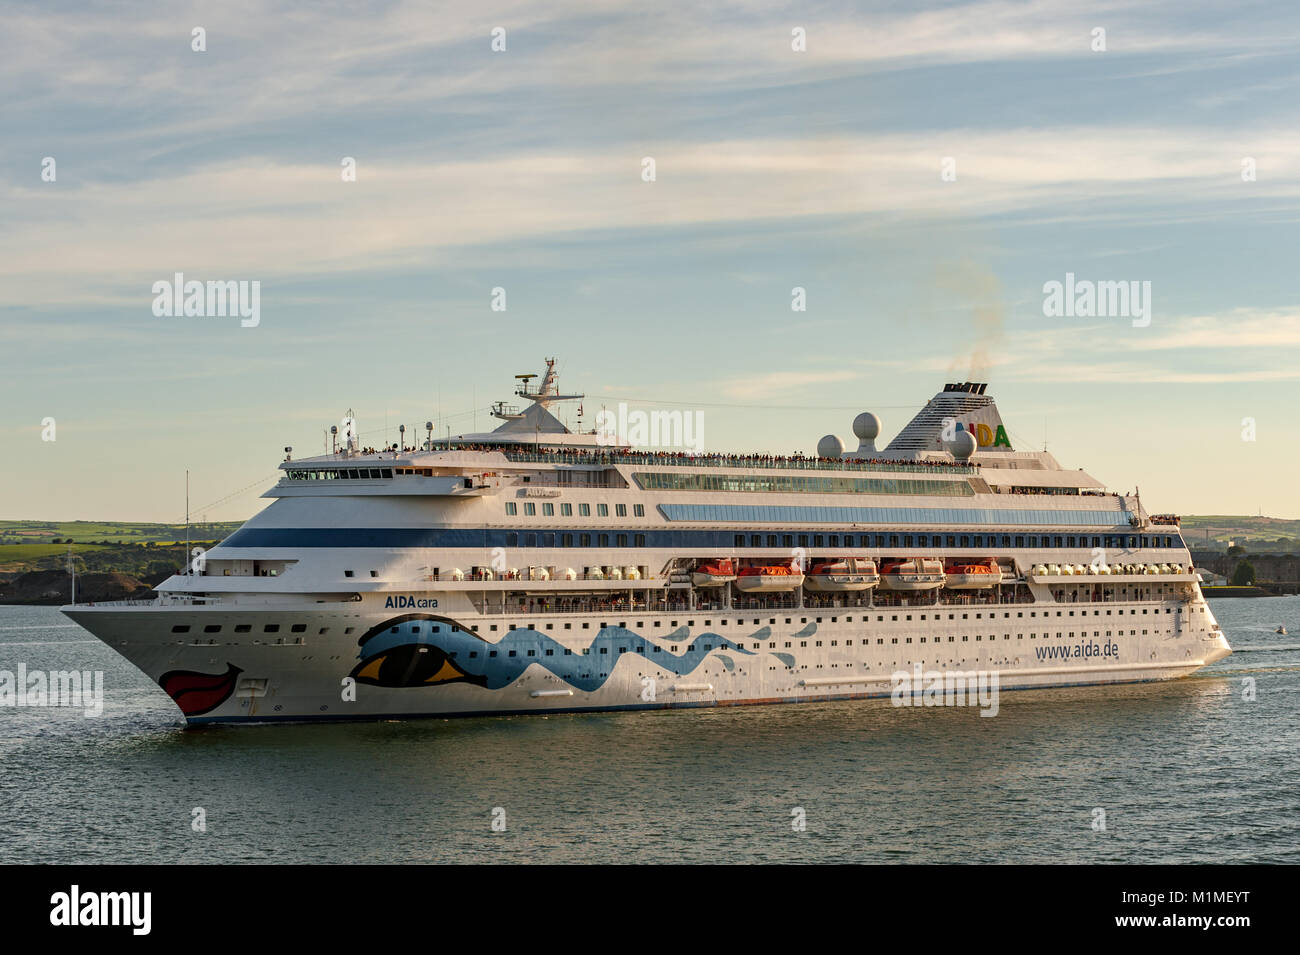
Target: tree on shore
1243,575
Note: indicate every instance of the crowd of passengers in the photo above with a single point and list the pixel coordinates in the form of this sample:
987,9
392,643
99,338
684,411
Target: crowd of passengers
652,457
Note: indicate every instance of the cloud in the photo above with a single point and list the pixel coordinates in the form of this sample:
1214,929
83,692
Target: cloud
107,242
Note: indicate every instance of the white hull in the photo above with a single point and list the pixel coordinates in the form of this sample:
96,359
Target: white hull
290,681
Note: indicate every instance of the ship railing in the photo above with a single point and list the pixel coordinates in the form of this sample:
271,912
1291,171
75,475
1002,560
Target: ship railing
522,578
723,461
119,603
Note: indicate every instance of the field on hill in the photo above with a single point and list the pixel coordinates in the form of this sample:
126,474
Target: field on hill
111,532
1258,534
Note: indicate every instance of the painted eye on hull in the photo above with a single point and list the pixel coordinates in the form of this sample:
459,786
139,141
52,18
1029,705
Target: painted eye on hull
412,664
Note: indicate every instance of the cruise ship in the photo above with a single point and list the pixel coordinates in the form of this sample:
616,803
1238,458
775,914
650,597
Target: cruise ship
539,569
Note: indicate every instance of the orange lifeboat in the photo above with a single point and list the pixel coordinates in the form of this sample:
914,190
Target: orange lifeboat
918,573
854,573
768,578
972,575
714,573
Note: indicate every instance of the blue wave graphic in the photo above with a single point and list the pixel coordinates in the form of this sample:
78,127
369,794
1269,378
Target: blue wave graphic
501,663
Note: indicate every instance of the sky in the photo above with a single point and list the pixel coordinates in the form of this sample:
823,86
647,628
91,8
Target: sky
921,171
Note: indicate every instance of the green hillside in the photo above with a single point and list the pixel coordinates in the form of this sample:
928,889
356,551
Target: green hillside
1258,534
110,532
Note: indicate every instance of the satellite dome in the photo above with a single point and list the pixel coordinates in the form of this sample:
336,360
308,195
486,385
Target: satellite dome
962,446
830,447
866,426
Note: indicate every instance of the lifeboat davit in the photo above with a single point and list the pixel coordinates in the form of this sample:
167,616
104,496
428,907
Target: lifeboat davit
924,573
972,576
855,573
777,578
714,573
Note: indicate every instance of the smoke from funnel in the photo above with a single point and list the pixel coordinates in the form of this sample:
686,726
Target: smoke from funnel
977,288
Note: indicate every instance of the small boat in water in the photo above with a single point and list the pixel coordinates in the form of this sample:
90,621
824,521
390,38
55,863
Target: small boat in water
854,573
1280,630
768,578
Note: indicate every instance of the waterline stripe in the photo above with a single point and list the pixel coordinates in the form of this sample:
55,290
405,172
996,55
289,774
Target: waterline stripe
57,626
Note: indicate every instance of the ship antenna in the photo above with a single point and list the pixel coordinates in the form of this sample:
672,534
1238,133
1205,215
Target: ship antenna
187,520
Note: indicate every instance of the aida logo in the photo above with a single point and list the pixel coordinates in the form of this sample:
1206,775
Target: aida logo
986,437
402,601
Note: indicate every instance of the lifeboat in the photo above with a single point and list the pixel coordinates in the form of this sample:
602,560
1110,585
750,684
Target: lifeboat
855,573
972,576
922,573
714,573
777,578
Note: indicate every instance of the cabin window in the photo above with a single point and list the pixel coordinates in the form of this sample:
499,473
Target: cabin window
620,510
602,510
548,510
511,508
638,510
584,510
566,510
530,509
